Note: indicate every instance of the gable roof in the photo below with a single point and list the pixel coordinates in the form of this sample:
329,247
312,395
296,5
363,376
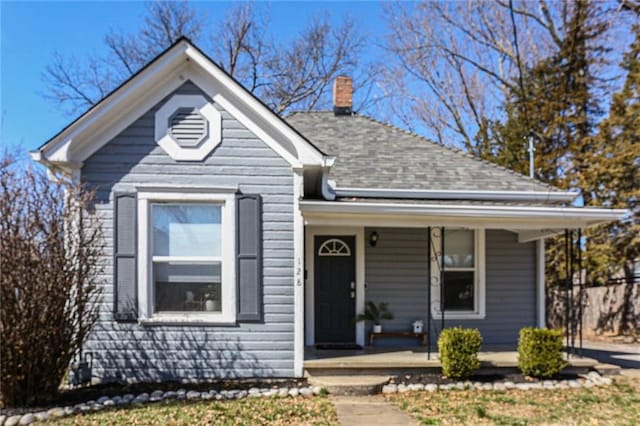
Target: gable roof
372,154
181,61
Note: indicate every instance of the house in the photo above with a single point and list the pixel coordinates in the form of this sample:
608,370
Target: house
236,237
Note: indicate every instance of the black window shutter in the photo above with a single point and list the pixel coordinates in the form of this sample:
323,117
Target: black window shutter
249,257
125,271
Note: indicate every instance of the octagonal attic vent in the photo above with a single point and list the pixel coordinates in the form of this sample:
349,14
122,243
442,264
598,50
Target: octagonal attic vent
188,127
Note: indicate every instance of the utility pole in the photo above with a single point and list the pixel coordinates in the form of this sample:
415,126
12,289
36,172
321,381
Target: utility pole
531,150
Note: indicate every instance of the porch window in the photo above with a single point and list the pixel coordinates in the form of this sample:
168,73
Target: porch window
187,259
459,270
463,273
186,267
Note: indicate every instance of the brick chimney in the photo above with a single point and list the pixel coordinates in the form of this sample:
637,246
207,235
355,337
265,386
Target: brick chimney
342,95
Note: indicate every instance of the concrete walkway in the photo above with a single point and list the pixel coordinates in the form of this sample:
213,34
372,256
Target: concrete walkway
369,410
624,355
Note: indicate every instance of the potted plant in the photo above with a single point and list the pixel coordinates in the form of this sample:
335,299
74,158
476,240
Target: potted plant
375,314
212,302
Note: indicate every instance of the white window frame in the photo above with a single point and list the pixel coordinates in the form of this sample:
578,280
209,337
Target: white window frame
479,285
145,257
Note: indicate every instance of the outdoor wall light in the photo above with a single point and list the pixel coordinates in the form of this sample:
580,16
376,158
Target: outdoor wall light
373,239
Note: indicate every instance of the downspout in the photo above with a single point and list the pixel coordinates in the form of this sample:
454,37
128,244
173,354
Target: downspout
327,187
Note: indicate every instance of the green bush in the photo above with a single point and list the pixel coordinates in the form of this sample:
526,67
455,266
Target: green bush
458,348
540,352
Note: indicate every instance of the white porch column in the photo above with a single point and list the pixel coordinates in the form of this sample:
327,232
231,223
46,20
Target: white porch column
540,287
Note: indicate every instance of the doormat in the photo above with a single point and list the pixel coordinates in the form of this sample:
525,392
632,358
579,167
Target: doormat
348,346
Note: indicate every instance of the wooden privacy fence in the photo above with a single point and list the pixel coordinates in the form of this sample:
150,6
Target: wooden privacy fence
610,309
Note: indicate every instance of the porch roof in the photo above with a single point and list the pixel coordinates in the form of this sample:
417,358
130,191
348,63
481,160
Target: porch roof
530,222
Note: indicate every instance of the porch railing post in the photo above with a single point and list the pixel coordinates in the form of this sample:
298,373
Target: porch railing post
442,279
572,319
566,289
429,292
580,283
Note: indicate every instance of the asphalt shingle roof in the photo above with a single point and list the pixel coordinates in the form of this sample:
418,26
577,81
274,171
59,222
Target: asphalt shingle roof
372,154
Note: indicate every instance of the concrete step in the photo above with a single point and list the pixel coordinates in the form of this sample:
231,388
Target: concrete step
350,385
607,369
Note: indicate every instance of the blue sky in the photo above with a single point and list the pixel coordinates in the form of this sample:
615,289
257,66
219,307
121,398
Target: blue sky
30,33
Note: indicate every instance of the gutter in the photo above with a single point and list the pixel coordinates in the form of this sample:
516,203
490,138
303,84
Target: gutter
453,210
429,194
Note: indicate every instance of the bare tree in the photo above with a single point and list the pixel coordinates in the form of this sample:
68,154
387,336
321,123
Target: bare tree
457,62
293,75
77,84
50,248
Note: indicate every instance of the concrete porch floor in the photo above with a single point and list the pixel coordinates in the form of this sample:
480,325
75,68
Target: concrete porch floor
389,358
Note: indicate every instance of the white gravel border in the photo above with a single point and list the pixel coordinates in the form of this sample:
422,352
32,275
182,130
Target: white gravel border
129,399
587,381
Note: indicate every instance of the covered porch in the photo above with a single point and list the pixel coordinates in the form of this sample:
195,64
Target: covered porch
394,360
445,264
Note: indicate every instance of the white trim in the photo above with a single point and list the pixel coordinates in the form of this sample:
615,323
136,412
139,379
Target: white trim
121,108
298,285
307,154
310,234
422,215
540,283
435,194
172,147
527,236
340,252
480,290
154,188
145,259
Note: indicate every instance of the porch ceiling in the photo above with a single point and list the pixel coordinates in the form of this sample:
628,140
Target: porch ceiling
530,222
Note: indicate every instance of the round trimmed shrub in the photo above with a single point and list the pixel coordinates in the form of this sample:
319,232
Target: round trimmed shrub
458,348
540,352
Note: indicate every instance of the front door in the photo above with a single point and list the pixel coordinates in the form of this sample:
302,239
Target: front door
335,290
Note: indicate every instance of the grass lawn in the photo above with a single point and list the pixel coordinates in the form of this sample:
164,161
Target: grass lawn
250,411
618,404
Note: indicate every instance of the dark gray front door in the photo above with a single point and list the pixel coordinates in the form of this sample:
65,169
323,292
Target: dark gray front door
334,282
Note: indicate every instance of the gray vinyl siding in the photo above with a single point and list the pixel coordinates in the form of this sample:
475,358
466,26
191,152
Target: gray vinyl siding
396,273
130,351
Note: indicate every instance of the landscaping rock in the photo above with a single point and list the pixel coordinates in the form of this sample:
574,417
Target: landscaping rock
170,395
102,399
254,392
128,398
12,421
283,392
109,403
181,394
83,408
317,390
606,380
242,394
431,387
390,388
294,392
499,386
306,392
509,385
402,388
191,395
574,384
522,386
143,398
27,419
487,386
69,410
206,396
416,387
41,416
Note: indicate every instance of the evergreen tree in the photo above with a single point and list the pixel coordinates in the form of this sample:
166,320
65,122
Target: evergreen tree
613,176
